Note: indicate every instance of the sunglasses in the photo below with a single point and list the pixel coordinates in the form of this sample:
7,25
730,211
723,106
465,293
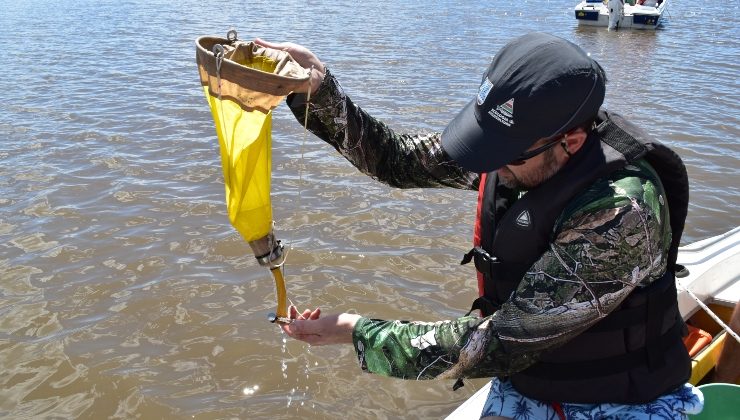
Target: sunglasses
522,159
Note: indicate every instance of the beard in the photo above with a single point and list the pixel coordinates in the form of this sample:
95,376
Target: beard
530,180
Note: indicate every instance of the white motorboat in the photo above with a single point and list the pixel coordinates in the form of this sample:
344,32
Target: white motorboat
708,290
617,14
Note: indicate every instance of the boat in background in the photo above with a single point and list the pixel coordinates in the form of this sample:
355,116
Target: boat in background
708,290
617,14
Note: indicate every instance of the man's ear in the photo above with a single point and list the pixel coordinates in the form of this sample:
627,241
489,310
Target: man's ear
574,140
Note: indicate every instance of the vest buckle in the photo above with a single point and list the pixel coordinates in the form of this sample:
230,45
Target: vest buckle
483,260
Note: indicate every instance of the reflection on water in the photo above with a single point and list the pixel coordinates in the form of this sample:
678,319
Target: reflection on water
125,293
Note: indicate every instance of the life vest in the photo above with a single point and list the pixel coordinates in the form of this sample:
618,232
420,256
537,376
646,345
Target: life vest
636,353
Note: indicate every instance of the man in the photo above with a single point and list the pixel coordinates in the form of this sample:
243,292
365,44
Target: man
579,219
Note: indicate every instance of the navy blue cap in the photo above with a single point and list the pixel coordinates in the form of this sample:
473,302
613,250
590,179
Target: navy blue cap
537,86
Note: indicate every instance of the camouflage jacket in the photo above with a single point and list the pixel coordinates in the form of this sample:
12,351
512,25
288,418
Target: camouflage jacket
616,233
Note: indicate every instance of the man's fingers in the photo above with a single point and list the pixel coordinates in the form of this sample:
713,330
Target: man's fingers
283,46
268,44
306,314
292,312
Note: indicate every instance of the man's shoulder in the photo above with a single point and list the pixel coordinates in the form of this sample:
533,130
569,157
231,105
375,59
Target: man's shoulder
637,182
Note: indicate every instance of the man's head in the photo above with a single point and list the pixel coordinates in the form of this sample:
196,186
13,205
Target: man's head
538,89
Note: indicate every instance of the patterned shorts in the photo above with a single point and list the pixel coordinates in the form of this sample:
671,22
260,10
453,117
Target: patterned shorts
504,400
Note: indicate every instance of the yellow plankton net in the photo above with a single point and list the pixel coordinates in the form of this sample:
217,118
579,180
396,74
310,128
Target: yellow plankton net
243,82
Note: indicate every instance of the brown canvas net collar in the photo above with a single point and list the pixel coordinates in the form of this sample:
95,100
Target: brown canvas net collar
251,88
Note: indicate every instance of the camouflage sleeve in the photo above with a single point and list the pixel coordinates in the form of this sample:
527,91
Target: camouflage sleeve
612,239
399,160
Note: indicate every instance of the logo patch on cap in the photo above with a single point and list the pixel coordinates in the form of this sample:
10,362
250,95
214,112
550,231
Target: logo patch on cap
504,113
485,89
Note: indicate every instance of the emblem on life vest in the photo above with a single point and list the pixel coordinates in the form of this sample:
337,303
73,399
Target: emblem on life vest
523,220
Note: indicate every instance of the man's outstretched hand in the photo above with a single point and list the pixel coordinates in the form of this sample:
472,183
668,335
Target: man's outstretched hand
310,327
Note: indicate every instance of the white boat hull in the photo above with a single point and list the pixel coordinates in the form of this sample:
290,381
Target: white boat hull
631,17
713,274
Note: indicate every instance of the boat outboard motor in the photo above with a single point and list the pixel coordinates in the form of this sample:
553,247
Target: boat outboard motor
616,11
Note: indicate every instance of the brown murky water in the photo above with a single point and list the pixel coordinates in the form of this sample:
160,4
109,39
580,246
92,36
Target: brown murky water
124,292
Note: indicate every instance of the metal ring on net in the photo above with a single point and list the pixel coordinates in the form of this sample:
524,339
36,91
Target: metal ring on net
218,51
